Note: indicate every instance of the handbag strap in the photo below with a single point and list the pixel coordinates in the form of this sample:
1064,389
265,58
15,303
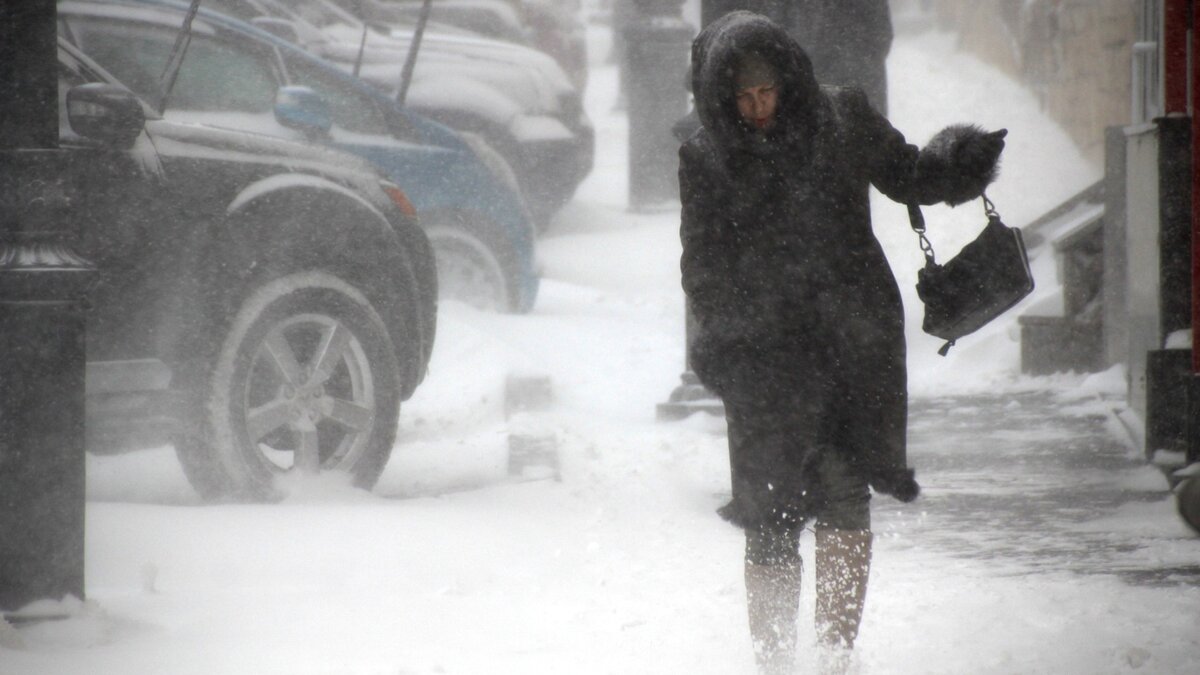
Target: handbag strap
917,220
989,209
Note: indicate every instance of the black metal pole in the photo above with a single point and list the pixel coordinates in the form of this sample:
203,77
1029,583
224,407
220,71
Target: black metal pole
656,46
28,75
41,326
658,64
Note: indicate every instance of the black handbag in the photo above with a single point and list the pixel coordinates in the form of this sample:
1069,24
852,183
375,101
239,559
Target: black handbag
986,278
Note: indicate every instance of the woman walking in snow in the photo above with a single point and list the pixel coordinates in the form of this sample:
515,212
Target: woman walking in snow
800,327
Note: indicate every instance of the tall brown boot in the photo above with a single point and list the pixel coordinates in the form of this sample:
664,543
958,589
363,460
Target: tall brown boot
843,562
773,601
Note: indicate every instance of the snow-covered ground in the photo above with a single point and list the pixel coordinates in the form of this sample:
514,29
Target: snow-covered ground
452,565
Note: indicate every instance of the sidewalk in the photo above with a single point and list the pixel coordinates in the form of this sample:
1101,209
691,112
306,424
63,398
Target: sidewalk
1036,484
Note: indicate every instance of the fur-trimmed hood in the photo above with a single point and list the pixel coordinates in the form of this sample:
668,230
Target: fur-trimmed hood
715,53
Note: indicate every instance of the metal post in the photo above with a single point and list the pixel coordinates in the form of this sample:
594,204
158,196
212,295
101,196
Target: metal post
1176,74
41,326
1191,85
1175,223
1182,76
657,50
691,396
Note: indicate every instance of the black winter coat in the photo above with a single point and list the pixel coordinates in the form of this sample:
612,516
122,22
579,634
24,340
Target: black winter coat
792,296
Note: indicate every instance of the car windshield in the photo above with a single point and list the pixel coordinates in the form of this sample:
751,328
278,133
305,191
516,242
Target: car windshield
136,54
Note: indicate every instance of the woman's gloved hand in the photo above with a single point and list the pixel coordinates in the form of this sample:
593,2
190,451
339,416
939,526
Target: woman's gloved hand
900,484
958,164
977,154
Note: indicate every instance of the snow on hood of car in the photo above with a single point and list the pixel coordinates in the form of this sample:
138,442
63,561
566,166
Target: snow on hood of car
382,67
266,125
380,47
464,94
499,96
498,50
528,129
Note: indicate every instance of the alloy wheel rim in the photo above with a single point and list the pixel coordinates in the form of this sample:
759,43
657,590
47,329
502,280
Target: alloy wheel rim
309,396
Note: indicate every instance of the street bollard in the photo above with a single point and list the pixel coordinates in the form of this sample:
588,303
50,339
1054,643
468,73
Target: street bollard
42,355
657,49
690,396
42,351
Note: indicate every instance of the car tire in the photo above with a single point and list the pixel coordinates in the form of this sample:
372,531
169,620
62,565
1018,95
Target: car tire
305,380
469,269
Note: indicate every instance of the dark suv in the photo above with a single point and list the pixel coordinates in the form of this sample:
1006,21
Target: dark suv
466,197
264,304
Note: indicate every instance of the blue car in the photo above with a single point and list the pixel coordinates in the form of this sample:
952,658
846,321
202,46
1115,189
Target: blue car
237,76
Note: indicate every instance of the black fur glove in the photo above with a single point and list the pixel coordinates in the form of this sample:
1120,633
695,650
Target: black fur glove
900,484
979,154
958,164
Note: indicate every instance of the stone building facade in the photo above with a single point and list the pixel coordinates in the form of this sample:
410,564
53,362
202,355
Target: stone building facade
1077,55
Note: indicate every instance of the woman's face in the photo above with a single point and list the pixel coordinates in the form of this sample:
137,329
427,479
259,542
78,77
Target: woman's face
756,104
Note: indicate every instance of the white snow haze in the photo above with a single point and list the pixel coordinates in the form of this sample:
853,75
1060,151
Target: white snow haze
607,555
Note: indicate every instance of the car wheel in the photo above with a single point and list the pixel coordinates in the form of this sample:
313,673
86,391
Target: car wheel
306,380
468,270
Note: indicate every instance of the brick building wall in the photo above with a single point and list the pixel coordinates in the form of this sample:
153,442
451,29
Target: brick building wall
1074,54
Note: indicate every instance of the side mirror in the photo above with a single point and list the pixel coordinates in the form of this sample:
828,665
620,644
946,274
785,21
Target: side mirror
280,28
106,113
302,109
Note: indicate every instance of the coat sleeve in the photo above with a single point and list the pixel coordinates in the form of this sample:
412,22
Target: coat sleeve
889,161
955,166
705,263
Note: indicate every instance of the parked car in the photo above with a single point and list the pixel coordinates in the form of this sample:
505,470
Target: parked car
517,98
266,305
465,194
